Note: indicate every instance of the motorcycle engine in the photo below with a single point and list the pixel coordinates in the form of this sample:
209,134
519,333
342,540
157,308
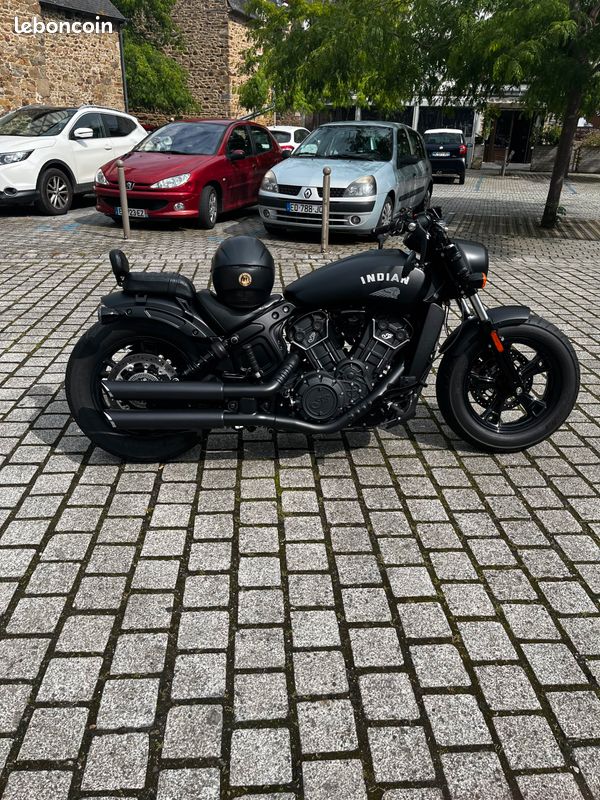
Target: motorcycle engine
348,354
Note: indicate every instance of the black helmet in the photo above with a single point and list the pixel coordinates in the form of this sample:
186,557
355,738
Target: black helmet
243,272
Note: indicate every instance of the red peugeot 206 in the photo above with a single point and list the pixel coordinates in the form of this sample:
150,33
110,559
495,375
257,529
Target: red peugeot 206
195,168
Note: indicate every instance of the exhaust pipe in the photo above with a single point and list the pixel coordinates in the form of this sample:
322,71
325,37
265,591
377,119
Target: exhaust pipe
192,419
199,390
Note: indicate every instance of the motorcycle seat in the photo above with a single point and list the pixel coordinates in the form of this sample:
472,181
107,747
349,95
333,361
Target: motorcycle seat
167,284
222,317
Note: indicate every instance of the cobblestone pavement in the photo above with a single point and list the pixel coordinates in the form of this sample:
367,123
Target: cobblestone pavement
356,616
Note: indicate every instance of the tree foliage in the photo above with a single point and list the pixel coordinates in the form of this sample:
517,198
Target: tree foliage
155,81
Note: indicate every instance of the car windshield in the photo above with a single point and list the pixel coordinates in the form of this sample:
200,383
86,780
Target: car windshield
35,121
185,138
282,136
443,137
357,142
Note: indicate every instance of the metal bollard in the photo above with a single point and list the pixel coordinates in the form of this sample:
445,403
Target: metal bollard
123,196
325,220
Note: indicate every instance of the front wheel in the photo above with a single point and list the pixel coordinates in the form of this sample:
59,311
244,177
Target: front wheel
475,405
140,352
209,208
55,192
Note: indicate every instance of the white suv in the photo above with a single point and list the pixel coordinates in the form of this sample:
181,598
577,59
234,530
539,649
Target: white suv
48,154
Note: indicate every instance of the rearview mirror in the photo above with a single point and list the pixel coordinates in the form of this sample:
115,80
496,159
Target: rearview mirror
237,155
83,133
286,154
405,161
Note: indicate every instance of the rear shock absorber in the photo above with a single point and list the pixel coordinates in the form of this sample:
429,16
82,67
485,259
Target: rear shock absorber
249,350
216,352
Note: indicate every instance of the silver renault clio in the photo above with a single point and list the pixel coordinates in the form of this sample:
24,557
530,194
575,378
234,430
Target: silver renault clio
376,169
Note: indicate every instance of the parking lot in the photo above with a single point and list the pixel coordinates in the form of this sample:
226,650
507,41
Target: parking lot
383,615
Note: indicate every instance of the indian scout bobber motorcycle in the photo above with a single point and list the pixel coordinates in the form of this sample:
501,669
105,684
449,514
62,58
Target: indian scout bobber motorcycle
348,345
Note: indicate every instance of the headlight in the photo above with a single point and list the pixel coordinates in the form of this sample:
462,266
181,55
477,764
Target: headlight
12,158
101,178
363,187
172,183
269,182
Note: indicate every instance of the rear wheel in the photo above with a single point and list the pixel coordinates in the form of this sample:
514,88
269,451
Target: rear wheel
209,208
55,192
461,179
139,352
474,403
426,201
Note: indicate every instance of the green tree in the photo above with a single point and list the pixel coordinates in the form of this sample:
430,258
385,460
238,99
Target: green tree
155,81
387,52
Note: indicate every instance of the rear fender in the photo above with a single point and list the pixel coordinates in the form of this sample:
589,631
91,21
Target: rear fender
174,312
469,330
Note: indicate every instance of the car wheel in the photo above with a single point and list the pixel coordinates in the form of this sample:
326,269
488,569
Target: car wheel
274,229
55,192
461,179
387,212
426,201
209,208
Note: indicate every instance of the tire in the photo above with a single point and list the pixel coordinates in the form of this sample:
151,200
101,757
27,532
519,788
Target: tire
462,376
209,208
461,179
387,212
274,230
426,201
84,395
55,192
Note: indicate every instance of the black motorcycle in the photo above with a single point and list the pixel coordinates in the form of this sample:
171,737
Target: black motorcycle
349,345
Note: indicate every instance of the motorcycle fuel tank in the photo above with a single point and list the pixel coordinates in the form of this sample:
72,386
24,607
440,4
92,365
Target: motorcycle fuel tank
373,277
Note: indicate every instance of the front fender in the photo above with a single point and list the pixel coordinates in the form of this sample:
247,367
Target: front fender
170,311
469,330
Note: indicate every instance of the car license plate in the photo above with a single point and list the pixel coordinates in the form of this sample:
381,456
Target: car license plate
441,155
133,212
303,208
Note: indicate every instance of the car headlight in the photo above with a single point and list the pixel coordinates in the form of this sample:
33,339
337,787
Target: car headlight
363,187
101,178
12,158
172,183
269,182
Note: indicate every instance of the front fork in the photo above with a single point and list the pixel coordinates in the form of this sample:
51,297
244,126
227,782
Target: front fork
512,382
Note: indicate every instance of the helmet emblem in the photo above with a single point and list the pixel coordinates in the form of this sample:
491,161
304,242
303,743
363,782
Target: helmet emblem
245,279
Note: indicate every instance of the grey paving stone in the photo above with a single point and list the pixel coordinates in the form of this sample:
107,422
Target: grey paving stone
258,540
388,697
584,632
528,742
193,732
256,606
41,785
456,720
85,633
578,713
198,675
55,578
553,664
588,759
260,757
559,786
259,648
410,582
101,592
310,590
375,647
471,775
530,621
365,605
71,679
350,540
412,794
333,780
155,573
149,611
188,784
507,688
486,641
203,630
116,761
66,547
53,734
210,556
510,584
321,672
36,615
139,653
260,697
315,629
129,703
439,665
205,591
13,701
468,600
400,754
453,565
544,563
568,597
424,621
326,726
259,571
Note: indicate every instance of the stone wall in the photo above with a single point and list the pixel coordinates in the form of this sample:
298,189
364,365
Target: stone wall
239,42
62,68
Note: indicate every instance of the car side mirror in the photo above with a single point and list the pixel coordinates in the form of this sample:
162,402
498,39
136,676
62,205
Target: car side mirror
405,161
286,154
83,133
237,155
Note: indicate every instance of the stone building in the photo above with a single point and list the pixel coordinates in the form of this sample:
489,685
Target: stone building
214,36
63,52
